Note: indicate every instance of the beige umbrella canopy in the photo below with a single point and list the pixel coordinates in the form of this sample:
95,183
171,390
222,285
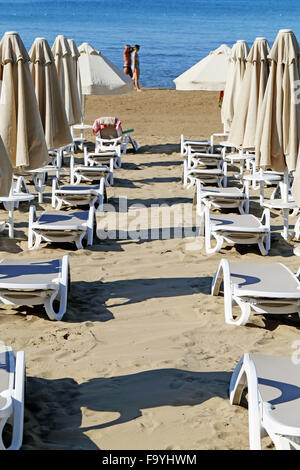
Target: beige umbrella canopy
6,171
235,74
67,79
47,89
208,74
99,76
75,55
252,89
20,124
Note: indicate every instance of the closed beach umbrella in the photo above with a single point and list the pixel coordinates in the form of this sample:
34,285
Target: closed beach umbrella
48,94
20,122
278,127
99,76
75,56
252,89
208,74
6,171
235,74
67,79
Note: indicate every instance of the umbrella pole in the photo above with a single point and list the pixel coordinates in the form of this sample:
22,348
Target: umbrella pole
285,197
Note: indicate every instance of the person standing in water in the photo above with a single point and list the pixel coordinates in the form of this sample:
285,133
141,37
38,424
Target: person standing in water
136,67
127,60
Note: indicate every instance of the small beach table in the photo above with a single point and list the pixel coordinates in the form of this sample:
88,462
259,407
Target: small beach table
39,175
82,128
10,205
241,156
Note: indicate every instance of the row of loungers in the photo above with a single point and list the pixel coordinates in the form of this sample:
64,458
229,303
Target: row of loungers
47,283
271,382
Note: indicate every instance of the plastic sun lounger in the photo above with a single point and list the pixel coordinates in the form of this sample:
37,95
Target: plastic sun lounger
78,195
103,159
238,229
36,283
208,167
273,384
60,226
12,385
111,139
220,198
261,287
90,173
199,145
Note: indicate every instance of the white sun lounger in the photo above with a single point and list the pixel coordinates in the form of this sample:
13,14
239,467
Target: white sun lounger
110,139
197,145
273,384
35,283
208,167
89,173
12,384
220,198
261,287
240,229
78,195
103,159
60,226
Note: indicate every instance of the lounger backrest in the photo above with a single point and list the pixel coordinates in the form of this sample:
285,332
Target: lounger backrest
109,133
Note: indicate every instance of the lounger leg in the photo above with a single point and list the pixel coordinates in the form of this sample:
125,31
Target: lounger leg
281,443
185,173
54,186
101,195
32,217
72,169
38,239
245,374
111,172
90,226
181,144
223,273
200,213
208,235
78,241
208,247
62,293
18,402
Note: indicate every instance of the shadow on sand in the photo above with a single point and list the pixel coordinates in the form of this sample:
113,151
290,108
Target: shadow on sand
53,414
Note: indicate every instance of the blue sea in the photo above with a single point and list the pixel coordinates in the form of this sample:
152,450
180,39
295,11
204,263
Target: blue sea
173,34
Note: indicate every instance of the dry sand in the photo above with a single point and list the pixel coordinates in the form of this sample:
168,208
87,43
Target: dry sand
143,357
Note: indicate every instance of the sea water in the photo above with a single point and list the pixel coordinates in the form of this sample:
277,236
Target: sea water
173,34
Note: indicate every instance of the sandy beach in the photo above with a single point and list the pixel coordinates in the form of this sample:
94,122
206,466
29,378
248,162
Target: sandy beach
143,357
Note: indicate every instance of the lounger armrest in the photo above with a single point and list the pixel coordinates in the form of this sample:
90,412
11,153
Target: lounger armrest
32,214
18,401
54,189
85,155
245,375
265,218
